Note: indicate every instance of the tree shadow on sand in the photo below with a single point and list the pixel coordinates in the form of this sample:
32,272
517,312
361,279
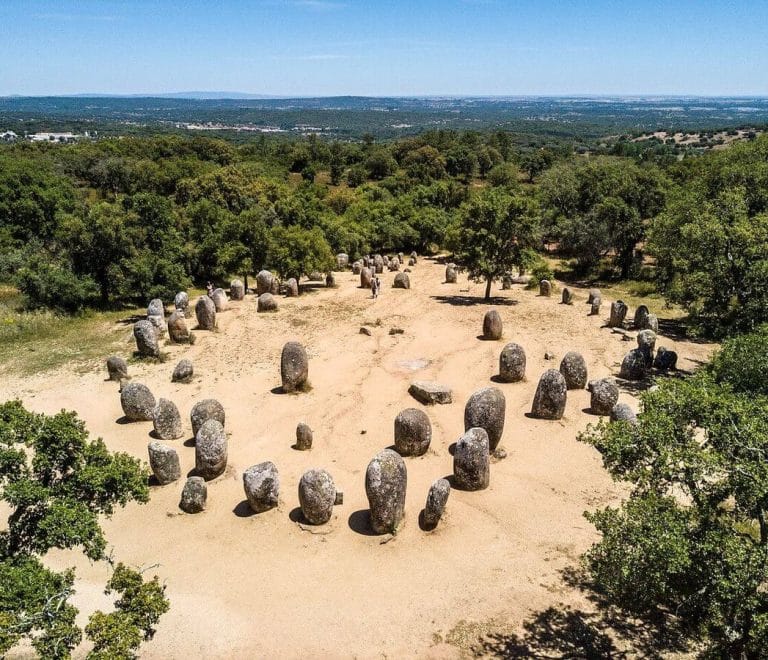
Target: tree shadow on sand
471,301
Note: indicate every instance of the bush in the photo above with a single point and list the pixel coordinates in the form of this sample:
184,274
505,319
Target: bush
51,285
742,362
541,270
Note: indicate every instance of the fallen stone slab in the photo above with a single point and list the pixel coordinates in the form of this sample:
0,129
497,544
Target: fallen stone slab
429,392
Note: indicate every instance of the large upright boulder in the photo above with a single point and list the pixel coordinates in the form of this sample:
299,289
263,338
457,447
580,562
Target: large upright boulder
567,298
117,368
365,278
665,359
450,274
386,480
551,394
512,363
210,450
633,366
183,372
618,314
266,302
236,290
178,332
486,409
181,302
574,370
471,460
492,325
646,344
641,317
167,420
138,402
294,366
413,432
204,410
593,294
219,297
145,334
264,282
342,260
164,462
317,495
545,288
156,308
205,311
291,288
402,281
605,395
262,486
194,495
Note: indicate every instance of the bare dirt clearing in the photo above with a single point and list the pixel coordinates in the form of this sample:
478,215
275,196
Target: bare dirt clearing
243,585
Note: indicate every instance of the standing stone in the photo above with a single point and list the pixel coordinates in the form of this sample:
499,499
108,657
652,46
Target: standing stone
303,437
181,302
117,368
545,288
178,332
665,359
219,298
158,322
492,326
486,409
593,293
342,260
512,363
567,298
386,480
205,311
164,462
275,289
641,317
652,323
574,370
402,281
264,282
167,420
411,261
156,308
292,288
330,280
633,366
145,335
367,261
595,309
401,257
194,495
506,282
471,460
357,267
413,432
294,366
646,344
450,274
317,495
204,410
414,255
605,395
437,498
622,412
183,372
551,394
266,302
365,278
236,290
394,265
210,450
618,313
262,486
138,402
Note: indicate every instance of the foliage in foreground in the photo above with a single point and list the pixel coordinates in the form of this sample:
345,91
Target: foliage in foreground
57,482
691,542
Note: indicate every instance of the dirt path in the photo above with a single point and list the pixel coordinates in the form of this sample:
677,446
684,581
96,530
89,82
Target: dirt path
245,585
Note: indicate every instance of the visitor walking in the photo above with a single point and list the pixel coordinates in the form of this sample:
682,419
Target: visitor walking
374,288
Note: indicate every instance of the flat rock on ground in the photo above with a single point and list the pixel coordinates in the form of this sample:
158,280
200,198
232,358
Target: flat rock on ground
430,392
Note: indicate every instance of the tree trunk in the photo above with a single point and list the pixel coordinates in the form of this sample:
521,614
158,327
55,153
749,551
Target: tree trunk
488,288
245,281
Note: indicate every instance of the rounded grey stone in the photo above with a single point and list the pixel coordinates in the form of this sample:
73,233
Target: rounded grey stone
303,437
164,462
646,344
317,496
402,281
183,372
264,282
386,480
342,260
551,395
220,301
641,317
618,314
486,409
294,366
665,359
117,368
567,298
574,370
138,402
492,325
357,266
472,461
411,261
450,274
210,450
604,396
633,366
622,412
204,410
413,432
205,311
595,309
181,301
178,332
266,302
262,486
330,280
156,308
145,334
437,498
592,295
236,290
167,420
545,288
194,495
292,288
394,265
512,363
365,278
159,322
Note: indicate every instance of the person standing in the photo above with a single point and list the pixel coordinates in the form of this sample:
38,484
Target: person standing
374,288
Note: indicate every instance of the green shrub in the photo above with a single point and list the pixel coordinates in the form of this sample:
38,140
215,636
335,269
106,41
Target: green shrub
51,285
742,362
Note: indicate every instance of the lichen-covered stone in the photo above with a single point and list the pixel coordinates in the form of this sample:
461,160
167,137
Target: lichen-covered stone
167,420
633,366
219,297
117,368
567,298
365,278
618,314
551,395
291,288
204,410
205,311
665,359
266,302
545,288
236,290
210,450
264,282
413,432
604,396
574,370
178,332
317,496
145,334
641,317
194,495
294,366
164,463
303,437
646,344
156,308
181,301
183,372
402,281
623,412
492,325
386,480
138,402
437,498
652,323
486,409
512,363
158,321
262,486
430,392
472,461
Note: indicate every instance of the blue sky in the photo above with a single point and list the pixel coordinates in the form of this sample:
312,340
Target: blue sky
395,47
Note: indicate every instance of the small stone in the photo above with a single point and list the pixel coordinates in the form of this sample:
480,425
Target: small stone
574,370
294,366
413,432
236,290
303,437
402,281
178,332
266,302
437,498
605,395
365,331
317,496
548,355
618,313
665,359
262,486
204,410
164,462
292,288
486,409
194,495
430,392
167,420
450,274
595,309
339,500
396,331
210,450
205,311
386,480
330,280
567,298
492,325
264,282
219,298
138,402
145,335
471,460
545,288
633,366
512,363
551,395
622,412
117,368
183,372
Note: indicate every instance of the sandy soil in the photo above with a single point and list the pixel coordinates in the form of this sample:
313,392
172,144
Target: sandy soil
244,585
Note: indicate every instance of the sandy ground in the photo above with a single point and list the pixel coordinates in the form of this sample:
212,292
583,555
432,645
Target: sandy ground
243,585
